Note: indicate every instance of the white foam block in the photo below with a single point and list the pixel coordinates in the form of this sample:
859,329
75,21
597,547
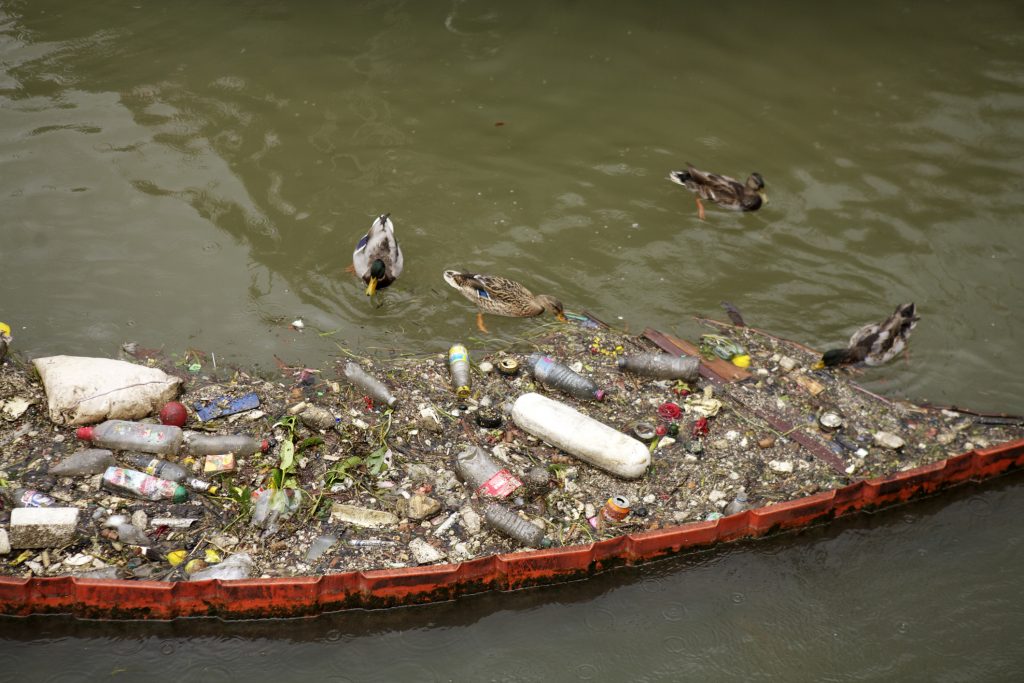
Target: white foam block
43,527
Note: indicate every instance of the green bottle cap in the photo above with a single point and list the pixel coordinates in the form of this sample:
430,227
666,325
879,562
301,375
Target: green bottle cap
180,494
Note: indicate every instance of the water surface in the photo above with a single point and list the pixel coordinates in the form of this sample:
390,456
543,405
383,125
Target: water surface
195,175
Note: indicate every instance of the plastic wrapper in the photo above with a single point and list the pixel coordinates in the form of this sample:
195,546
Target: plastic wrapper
273,506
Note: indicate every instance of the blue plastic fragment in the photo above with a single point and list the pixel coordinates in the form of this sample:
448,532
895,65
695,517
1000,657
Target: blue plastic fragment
225,405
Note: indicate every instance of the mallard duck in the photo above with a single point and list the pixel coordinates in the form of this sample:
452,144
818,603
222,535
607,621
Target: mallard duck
378,258
722,190
875,344
501,296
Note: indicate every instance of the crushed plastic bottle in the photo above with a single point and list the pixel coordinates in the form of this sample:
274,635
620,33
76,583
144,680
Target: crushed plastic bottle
197,443
487,477
527,533
740,503
661,366
133,436
550,372
458,365
142,485
169,471
237,566
377,390
320,546
22,497
85,461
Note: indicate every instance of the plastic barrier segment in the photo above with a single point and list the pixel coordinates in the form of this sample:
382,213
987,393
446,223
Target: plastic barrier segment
301,596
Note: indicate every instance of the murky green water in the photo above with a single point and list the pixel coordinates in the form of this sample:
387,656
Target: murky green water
196,175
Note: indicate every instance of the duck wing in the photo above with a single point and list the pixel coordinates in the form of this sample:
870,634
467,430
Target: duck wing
878,344
716,188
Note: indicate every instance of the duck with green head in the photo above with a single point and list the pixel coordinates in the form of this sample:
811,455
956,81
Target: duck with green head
377,258
875,344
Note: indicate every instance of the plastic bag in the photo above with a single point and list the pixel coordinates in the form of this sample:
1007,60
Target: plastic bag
82,390
237,566
273,506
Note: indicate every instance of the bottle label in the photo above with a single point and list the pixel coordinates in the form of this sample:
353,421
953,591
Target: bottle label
143,485
152,466
500,485
458,353
35,499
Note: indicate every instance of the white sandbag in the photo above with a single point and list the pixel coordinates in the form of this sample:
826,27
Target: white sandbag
86,390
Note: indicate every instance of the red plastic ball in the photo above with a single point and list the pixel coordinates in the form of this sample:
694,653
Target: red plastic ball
173,413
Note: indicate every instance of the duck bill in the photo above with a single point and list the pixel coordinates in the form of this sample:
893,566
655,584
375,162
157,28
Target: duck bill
561,317
764,197
371,288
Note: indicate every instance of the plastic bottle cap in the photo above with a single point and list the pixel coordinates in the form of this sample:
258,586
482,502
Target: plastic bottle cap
180,494
84,433
265,446
599,394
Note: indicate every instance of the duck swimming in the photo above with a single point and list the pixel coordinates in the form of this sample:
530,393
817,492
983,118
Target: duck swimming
501,296
722,190
378,258
875,344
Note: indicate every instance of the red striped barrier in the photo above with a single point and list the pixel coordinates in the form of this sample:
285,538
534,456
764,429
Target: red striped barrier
298,596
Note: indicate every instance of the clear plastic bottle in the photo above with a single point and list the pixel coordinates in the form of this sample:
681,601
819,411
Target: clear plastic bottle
550,372
527,533
142,485
487,477
740,503
22,497
197,443
169,471
661,366
85,461
458,365
371,385
134,436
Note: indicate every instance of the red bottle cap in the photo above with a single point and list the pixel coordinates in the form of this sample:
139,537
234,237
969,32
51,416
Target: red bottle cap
84,433
599,394
264,446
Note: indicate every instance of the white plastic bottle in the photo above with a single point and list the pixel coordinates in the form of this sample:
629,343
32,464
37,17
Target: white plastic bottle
581,436
133,436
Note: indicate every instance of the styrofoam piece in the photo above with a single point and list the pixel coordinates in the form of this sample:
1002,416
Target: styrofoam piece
42,527
581,436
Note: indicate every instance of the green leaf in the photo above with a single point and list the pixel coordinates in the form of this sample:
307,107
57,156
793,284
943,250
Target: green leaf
287,455
375,461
